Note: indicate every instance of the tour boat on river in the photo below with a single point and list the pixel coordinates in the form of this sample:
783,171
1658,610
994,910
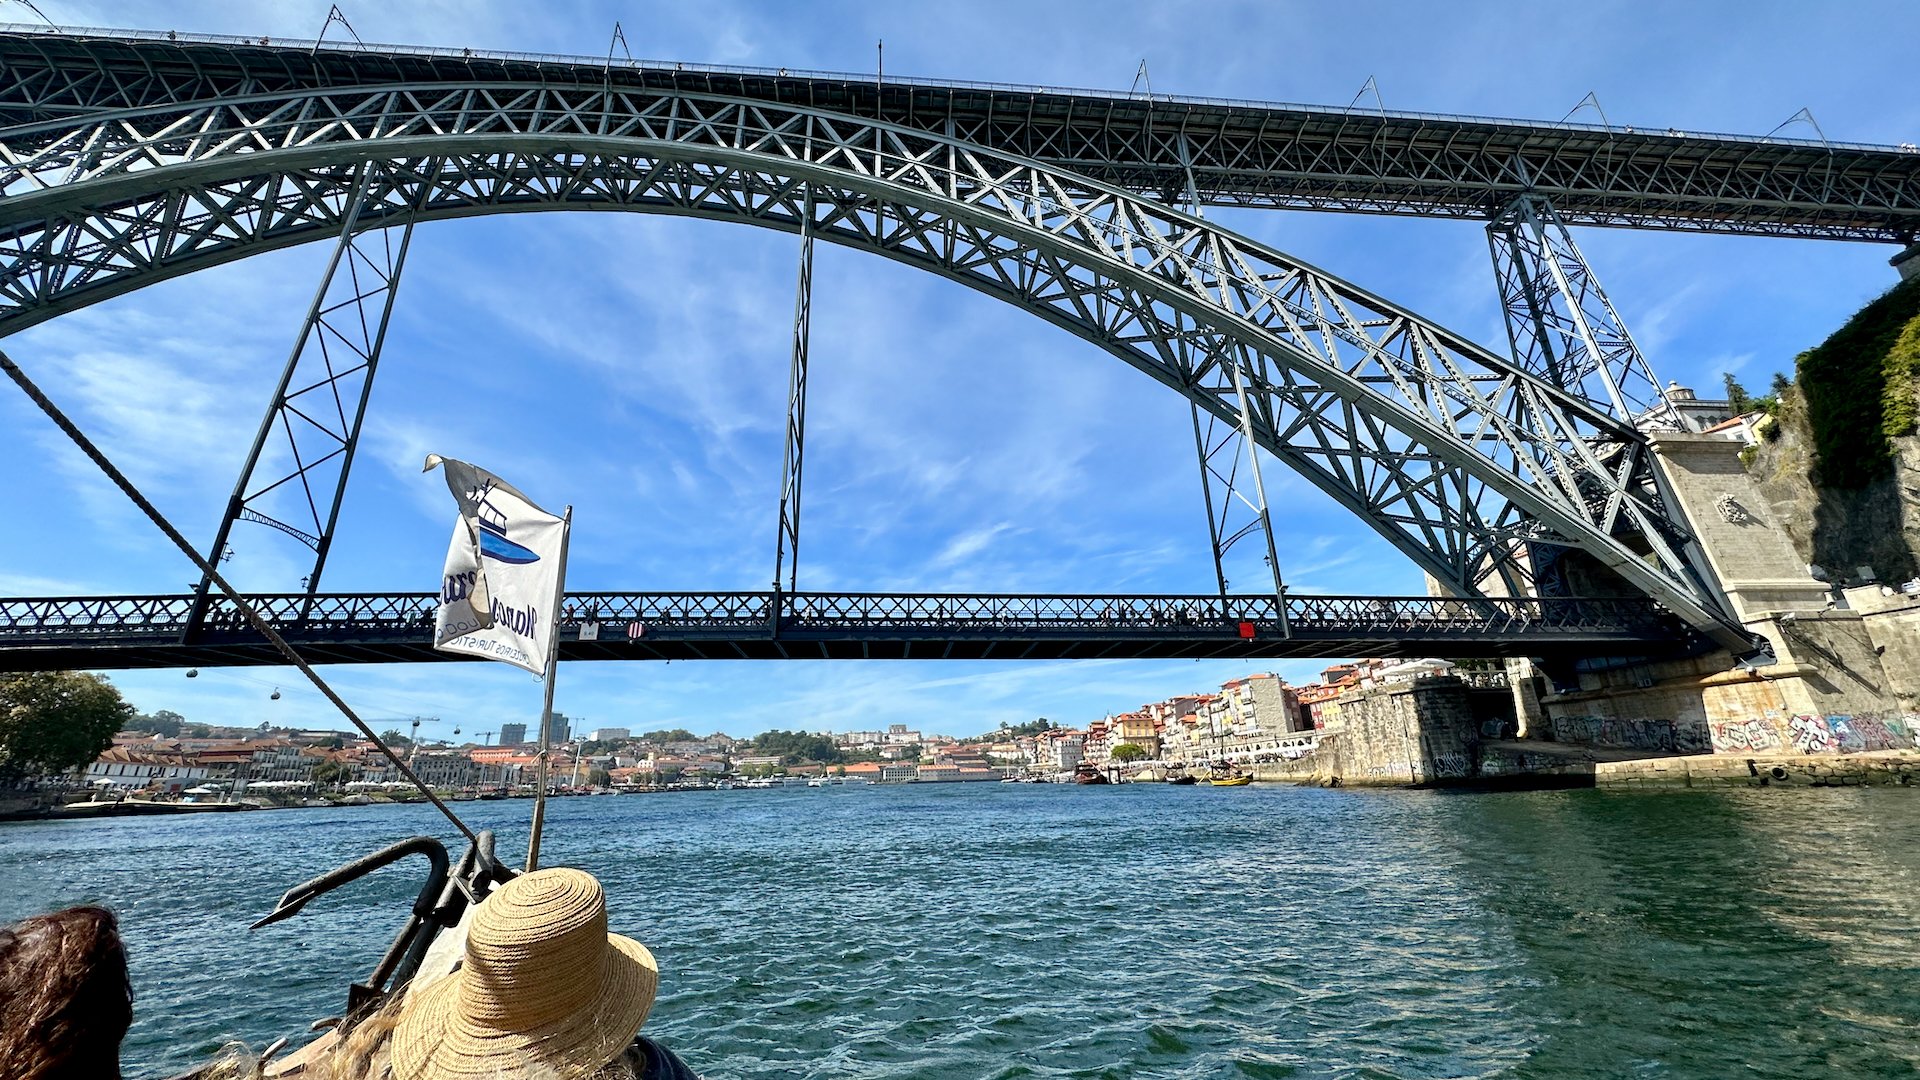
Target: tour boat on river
1086,773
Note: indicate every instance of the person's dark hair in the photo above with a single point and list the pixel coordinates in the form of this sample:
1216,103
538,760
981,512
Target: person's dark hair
65,1002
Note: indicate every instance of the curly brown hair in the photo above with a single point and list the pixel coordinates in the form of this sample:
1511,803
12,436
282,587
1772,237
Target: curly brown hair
65,1000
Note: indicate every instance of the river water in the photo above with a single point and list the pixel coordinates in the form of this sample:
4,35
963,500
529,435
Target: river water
1136,931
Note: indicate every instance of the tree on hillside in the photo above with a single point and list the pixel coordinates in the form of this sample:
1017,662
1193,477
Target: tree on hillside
1737,397
1781,384
55,721
669,735
164,722
392,737
1031,727
599,778
1126,752
796,746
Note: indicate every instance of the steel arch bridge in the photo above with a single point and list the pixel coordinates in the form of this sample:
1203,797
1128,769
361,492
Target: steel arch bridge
127,161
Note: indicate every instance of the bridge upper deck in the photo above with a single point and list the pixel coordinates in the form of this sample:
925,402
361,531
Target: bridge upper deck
1244,153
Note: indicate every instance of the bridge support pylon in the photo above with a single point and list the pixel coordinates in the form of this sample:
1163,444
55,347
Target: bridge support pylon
1223,449
1560,323
321,399
788,539
1562,327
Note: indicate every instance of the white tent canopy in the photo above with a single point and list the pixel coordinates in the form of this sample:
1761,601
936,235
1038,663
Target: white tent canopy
1413,669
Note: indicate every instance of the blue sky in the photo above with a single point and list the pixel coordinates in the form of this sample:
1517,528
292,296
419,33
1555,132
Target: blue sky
954,443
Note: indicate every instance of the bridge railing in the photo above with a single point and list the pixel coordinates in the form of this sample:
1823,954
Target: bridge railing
638,614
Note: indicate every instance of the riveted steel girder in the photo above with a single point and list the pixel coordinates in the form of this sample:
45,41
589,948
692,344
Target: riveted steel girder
1452,453
1226,152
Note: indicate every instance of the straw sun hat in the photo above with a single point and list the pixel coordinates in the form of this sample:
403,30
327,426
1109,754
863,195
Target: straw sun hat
544,990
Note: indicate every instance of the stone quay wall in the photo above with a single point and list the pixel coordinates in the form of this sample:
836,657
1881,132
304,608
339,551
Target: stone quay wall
1718,770
1422,732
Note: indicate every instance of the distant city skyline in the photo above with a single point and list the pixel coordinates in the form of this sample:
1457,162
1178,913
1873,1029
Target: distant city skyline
635,366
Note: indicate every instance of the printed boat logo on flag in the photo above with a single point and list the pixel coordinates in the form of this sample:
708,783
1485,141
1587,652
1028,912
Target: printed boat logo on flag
493,532
500,589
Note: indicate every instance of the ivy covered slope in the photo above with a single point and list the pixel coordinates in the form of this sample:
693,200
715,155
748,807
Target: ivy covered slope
1858,387
1841,466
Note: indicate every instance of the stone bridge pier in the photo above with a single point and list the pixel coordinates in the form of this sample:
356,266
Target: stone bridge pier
1845,677
1846,670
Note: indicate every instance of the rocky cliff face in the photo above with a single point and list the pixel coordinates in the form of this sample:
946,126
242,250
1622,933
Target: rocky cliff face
1841,465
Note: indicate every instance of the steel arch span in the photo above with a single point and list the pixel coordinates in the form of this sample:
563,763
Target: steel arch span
1456,456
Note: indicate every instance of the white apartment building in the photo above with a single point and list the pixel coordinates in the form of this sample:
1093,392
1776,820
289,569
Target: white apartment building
1068,750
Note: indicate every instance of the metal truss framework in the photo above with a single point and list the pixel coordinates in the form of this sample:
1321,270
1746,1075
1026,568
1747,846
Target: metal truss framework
1562,326
1456,456
1221,449
1241,153
321,400
788,537
146,631
1233,514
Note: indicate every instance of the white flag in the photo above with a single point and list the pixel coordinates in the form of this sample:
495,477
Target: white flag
505,568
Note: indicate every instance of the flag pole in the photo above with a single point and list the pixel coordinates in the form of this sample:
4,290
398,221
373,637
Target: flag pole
546,708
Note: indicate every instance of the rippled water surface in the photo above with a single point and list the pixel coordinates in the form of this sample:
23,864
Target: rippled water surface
1136,931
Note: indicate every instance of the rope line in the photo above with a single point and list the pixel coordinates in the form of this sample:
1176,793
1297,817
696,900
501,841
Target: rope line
86,446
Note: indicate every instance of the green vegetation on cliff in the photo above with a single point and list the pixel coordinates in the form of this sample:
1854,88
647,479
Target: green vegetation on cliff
1859,388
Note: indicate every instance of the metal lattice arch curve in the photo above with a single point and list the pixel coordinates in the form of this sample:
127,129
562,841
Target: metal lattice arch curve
1454,455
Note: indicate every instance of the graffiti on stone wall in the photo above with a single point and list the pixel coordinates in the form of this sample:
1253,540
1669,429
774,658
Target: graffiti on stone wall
1630,734
1754,734
1845,738
1879,733
1691,738
1510,763
1836,734
1869,731
1811,734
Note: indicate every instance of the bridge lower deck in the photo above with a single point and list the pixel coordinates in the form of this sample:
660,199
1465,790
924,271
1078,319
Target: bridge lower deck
365,628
